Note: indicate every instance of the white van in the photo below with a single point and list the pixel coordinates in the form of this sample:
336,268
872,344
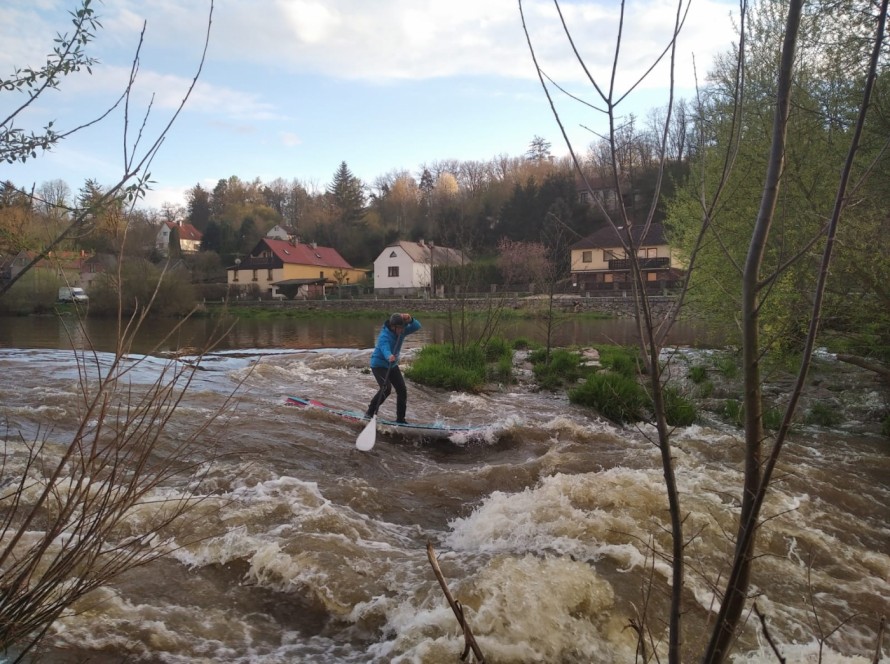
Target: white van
72,294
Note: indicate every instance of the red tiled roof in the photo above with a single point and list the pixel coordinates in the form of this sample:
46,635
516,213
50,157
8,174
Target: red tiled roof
305,254
186,231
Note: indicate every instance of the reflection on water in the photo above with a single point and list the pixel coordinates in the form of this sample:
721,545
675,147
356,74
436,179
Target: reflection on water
360,332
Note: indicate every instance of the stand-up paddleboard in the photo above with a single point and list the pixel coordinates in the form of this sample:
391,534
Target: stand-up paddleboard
434,430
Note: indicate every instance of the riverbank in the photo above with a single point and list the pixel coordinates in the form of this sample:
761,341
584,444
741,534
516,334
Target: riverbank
600,307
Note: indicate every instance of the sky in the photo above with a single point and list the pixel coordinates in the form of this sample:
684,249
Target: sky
291,88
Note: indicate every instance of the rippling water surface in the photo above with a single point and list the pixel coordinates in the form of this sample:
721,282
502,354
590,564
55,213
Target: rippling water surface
307,550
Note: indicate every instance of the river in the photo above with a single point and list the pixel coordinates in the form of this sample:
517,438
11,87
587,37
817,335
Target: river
304,549
164,335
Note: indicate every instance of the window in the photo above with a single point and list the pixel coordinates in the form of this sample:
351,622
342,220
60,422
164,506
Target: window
321,275
392,255
586,256
652,276
235,278
254,275
269,274
651,252
393,271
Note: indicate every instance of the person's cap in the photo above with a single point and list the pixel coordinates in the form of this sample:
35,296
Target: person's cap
396,319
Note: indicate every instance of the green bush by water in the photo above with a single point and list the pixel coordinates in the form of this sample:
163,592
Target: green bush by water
612,395
823,415
463,369
620,359
679,411
698,374
563,369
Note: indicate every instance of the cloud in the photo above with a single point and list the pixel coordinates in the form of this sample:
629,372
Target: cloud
422,39
290,139
158,198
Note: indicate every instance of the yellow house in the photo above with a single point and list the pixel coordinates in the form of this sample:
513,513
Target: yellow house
599,261
286,268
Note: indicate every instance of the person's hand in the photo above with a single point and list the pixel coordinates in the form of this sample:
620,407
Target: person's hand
406,317
392,358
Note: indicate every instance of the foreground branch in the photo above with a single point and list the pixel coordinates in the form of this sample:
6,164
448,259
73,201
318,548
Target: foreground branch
469,639
882,371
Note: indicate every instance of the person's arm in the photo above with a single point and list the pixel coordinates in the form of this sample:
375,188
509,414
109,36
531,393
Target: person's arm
411,323
386,347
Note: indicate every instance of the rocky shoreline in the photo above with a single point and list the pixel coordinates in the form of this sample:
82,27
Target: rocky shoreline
837,395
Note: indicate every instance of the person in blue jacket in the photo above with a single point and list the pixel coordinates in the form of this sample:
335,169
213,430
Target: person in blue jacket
385,364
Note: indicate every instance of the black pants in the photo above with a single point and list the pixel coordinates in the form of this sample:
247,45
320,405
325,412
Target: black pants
394,379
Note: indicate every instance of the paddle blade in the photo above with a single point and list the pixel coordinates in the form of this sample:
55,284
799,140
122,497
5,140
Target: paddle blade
368,436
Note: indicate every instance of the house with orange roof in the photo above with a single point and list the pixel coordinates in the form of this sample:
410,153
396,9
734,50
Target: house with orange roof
287,268
189,237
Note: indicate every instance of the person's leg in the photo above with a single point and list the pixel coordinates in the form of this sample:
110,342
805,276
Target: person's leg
380,374
398,382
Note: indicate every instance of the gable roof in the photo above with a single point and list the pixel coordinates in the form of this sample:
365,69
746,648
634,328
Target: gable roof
423,252
297,253
101,261
186,231
607,238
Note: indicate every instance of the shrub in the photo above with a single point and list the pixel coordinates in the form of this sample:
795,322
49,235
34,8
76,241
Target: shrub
620,359
822,415
705,390
538,356
772,418
564,368
679,411
613,395
448,367
501,371
728,367
732,411
34,292
497,348
522,343
697,374
175,295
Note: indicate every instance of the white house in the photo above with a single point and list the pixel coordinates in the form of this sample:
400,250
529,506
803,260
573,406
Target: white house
405,268
279,232
189,237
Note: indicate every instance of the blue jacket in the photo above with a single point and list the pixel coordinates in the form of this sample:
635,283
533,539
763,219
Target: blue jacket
388,344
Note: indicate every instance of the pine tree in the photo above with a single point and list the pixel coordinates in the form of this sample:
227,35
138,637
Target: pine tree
347,192
538,150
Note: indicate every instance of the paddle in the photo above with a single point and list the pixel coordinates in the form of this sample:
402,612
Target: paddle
368,436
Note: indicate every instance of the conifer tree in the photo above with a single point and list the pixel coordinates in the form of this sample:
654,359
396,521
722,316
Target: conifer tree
347,192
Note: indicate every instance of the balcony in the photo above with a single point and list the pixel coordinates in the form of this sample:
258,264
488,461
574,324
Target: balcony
645,263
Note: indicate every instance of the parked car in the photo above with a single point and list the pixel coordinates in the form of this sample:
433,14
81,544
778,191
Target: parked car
72,294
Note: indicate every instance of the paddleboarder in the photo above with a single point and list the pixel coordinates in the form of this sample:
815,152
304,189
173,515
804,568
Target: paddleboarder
385,363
